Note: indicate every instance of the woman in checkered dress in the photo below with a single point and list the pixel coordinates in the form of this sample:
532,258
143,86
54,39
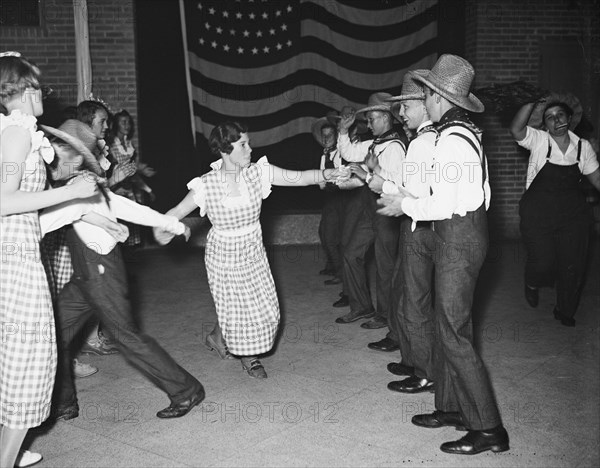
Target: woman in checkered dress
27,341
239,276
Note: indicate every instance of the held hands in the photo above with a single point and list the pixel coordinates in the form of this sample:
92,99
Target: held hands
165,234
392,204
358,170
339,174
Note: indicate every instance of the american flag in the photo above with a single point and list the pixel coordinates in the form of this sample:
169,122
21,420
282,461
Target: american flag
278,65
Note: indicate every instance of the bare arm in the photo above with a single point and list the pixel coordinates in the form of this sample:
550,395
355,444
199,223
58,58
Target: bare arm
518,126
290,178
594,179
16,143
184,207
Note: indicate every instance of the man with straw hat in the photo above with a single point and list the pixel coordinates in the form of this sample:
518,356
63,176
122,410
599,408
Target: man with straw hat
383,156
455,251
99,287
411,110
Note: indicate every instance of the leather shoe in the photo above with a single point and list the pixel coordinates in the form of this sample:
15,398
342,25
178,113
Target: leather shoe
343,301
387,345
397,368
221,348
377,322
566,321
532,296
332,281
177,410
327,272
412,384
439,419
66,412
475,442
353,316
255,369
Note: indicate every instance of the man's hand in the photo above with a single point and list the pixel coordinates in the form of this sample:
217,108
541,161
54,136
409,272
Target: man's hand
372,161
392,204
162,237
346,121
358,170
376,183
119,231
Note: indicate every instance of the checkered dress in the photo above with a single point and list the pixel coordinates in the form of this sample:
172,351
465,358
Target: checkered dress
27,339
238,271
122,153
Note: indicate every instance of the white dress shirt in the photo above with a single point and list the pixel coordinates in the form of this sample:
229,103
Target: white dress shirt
390,155
95,237
417,166
456,179
537,142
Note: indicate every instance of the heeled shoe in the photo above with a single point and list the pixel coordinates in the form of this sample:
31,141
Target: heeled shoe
255,369
221,349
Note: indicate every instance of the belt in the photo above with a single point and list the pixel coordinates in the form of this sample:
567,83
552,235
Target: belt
237,232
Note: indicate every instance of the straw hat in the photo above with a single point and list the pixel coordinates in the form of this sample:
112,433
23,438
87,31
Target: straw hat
537,116
411,89
80,137
330,119
451,77
377,102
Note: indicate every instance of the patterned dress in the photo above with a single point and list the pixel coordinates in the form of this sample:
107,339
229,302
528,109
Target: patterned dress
122,152
27,339
238,271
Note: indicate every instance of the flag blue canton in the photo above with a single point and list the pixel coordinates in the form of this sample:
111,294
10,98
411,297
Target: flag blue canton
244,34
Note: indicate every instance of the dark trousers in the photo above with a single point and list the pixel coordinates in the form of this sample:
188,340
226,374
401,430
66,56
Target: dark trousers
557,254
330,230
440,327
99,287
370,229
398,328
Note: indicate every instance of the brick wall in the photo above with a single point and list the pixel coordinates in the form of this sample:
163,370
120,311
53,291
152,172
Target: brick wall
112,50
503,42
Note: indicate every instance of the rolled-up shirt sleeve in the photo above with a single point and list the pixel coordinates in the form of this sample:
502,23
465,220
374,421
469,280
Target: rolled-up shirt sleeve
353,152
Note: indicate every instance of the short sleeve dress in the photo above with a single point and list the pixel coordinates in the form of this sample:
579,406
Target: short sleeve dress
27,341
238,271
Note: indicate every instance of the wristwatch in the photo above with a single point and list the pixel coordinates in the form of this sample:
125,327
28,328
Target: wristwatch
368,177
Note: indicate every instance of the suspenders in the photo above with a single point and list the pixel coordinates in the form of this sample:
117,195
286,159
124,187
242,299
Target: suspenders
482,157
550,150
